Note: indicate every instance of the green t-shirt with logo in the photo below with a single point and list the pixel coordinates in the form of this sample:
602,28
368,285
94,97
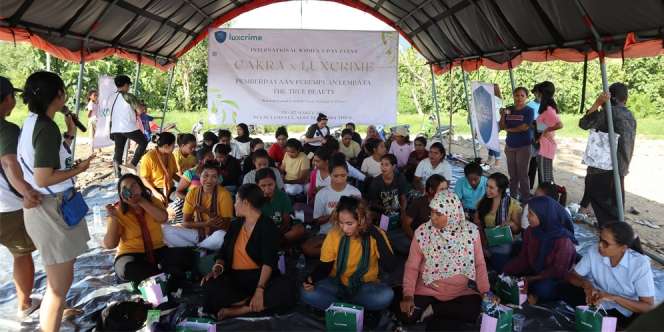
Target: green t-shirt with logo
275,208
9,134
46,140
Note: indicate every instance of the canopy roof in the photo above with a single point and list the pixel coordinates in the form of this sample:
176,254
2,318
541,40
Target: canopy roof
493,33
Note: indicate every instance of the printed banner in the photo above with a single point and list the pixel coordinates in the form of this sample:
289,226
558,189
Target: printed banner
484,111
289,76
107,91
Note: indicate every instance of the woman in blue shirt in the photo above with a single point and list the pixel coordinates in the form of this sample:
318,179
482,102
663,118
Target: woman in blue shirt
615,274
471,188
517,121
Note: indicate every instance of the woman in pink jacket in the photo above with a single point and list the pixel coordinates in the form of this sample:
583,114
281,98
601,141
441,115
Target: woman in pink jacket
446,253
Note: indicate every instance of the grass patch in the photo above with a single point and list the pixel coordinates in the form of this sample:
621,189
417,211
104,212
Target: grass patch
648,127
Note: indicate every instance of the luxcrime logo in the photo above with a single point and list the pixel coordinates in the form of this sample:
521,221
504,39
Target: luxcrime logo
222,36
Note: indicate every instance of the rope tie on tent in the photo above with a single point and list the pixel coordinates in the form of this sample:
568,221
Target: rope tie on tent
13,35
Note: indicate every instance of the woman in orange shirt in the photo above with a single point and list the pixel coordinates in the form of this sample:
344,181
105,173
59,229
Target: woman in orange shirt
245,277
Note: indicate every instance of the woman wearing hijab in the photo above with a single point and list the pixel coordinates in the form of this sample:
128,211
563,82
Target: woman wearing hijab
242,141
548,249
445,255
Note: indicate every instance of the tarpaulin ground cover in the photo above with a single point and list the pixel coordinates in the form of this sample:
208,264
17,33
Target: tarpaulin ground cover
95,285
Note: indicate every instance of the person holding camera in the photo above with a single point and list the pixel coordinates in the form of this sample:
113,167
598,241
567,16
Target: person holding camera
45,156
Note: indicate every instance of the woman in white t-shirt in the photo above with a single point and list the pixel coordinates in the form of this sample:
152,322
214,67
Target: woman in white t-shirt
435,164
47,165
376,149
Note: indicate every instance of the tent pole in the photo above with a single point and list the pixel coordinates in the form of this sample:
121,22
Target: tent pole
470,120
137,79
585,81
434,95
168,93
79,87
509,66
609,113
449,144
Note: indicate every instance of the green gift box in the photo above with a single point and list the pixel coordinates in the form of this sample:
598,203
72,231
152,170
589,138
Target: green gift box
510,290
498,321
499,235
343,317
587,319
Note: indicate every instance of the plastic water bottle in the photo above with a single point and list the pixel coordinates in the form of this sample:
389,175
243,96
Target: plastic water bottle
301,263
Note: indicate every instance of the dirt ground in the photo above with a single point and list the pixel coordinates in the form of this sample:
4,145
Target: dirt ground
644,187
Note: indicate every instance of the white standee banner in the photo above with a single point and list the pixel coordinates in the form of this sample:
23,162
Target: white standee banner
484,111
289,76
107,91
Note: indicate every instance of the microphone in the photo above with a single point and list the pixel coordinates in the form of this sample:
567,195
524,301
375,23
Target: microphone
67,112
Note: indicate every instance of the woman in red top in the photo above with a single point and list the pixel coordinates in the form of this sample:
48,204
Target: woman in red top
278,149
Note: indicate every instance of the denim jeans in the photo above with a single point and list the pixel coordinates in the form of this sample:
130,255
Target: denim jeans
372,296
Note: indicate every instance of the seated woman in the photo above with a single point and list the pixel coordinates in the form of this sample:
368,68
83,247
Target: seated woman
320,176
248,163
418,211
207,210
134,227
548,250
185,158
348,146
349,263
471,188
435,164
557,193
419,153
497,209
440,277
376,150
231,171
278,149
245,277
190,179
158,167
278,208
262,160
295,166
241,143
616,274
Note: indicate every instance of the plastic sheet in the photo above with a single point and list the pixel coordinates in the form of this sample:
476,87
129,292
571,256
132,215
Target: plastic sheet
95,285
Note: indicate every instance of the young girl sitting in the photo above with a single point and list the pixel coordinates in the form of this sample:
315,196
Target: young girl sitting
295,166
278,208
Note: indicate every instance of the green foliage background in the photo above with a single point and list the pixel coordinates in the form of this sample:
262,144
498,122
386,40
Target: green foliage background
189,94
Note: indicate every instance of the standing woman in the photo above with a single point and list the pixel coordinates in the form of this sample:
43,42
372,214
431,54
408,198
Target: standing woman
547,123
46,160
517,120
242,141
92,108
496,209
158,167
245,277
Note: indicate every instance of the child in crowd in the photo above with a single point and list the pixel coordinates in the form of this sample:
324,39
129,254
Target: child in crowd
352,254
326,200
248,163
262,160
207,210
278,208
295,167
278,149
189,180
471,188
185,158
210,139
376,150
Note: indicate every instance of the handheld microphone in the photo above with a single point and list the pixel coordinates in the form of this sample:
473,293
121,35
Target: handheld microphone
67,112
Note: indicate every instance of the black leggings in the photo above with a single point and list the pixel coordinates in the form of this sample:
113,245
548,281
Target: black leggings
135,267
452,315
120,139
575,296
235,286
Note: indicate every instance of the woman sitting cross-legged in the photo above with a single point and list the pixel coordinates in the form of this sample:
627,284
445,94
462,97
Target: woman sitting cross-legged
497,209
134,227
615,274
350,258
445,255
245,278
278,208
207,211
548,249
190,179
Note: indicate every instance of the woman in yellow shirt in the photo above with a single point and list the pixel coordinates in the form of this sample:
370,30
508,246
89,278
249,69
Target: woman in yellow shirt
134,227
185,158
159,168
207,211
245,277
295,166
349,262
